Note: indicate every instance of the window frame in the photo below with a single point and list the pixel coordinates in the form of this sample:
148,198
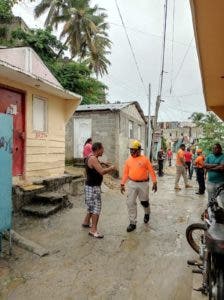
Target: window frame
130,130
45,116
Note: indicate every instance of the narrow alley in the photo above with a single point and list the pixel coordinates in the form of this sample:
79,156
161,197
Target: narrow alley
149,263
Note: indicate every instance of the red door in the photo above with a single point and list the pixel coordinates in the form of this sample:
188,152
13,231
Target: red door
13,103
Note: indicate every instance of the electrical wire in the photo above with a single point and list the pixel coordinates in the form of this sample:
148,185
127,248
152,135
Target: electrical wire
148,33
132,50
183,60
163,48
172,50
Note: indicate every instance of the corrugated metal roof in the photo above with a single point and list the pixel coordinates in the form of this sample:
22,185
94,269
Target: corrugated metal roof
105,106
110,107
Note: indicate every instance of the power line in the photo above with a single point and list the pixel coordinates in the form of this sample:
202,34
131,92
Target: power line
183,60
158,99
184,95
148,33
163,48
132,50
171,83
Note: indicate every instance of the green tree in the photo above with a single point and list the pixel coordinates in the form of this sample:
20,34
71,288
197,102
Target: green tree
5,11
197,118
41,40
213,131
76,77
84,30
72,75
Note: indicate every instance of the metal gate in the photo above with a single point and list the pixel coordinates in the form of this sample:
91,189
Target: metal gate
6,141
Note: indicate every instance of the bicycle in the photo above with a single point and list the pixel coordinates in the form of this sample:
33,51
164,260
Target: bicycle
207,239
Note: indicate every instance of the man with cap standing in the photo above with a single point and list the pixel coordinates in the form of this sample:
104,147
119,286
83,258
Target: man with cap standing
199,165
137,170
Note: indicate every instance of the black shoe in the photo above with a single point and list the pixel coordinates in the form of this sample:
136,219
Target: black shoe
146,218
198,193
131,227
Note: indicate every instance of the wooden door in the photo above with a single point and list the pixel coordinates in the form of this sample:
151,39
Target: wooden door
12,103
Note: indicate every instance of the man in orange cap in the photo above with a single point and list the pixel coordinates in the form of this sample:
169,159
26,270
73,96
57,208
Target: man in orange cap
137,170
199,165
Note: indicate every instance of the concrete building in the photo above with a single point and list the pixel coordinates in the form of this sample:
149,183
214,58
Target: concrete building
115,125
180,132
40,109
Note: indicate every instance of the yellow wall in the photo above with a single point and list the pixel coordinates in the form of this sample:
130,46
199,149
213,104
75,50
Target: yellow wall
44,155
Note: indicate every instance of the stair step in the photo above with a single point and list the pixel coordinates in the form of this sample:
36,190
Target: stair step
41,210
50,197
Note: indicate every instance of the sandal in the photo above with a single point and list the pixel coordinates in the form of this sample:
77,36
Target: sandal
86,225
96,235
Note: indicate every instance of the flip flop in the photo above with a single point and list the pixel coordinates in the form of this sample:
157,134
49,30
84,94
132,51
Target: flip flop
96,235
86,225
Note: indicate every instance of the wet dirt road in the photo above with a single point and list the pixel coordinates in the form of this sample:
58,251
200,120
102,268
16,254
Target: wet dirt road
149,263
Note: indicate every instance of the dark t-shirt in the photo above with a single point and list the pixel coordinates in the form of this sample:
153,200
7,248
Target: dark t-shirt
94,178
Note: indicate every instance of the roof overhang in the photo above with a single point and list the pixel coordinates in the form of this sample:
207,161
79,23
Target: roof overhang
208,24
15,74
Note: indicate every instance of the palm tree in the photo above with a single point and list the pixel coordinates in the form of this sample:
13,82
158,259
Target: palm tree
197,118
84,30
54,8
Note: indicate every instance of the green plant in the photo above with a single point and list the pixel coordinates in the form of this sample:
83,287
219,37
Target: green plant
5,11
3,32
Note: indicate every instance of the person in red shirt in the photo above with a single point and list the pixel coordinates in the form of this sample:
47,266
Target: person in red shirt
188,160
169,155
87,148
137,170
199,164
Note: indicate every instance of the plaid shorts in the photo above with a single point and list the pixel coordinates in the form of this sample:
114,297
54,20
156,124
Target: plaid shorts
93,199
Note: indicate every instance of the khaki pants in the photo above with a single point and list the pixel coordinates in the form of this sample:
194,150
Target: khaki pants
140,190
180,170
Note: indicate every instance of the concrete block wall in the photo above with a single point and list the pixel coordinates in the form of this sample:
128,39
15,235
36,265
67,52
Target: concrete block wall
104,131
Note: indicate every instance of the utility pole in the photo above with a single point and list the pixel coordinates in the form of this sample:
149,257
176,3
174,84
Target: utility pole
158,99
149,124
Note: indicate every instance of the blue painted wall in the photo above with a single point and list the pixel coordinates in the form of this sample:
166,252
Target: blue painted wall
6,141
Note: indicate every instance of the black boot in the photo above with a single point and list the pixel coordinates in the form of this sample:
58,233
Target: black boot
146,218
131,227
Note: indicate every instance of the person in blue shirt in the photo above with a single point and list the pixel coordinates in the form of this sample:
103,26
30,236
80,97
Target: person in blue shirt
214,165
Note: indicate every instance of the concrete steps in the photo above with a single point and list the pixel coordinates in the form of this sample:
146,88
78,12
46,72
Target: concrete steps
44,204
41,210
50,197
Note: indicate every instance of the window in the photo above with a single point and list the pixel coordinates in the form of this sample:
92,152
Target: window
139,133
131,129
39,114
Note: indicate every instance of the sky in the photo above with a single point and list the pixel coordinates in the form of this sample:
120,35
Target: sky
144,20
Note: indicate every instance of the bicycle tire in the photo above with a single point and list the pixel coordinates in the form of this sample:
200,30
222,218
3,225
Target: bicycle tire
195,244
220,284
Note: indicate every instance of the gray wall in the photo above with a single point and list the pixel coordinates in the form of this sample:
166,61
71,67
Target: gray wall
112,129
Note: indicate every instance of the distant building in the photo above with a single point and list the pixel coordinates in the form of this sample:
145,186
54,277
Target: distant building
176,133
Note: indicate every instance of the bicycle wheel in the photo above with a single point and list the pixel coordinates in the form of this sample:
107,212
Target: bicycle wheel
194,235
220,284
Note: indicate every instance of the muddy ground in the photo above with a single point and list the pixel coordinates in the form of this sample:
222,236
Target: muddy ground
149,263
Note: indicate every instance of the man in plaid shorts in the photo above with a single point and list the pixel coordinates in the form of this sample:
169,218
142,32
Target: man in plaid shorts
94,173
